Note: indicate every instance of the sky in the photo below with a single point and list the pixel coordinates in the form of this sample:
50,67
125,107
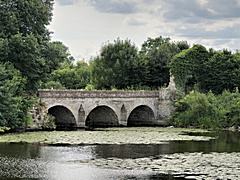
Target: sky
84,26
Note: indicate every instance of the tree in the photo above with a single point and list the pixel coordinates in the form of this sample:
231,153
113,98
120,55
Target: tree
156,55
25,17
26,55
222,72
182,45
211,70
55,54
70,76
24,40
116,66
13,106
188,67
52,85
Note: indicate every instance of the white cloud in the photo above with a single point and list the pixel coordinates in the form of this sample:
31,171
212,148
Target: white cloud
114,6
134,21
84,25
66,2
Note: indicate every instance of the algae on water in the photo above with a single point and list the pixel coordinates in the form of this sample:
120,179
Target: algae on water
143,135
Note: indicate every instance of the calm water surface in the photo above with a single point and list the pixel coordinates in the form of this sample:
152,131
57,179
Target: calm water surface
33,161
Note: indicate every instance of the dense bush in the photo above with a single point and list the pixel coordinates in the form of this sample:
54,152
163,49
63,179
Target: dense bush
208,110
52,85
49,123
13,104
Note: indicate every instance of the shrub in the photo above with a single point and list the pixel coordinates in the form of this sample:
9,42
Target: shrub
207,110
49,123
89,87
3,129
53,85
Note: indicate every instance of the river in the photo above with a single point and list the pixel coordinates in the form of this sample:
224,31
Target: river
217,156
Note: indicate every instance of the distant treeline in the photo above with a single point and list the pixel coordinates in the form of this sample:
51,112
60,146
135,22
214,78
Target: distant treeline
121,65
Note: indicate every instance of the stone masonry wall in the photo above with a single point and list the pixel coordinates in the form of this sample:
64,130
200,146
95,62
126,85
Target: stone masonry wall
81,103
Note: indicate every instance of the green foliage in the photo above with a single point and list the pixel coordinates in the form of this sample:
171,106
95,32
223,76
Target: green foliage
222,72
23,52
182,45
34,60
155,56
49,123
52,85
13,104
26,56
4,129
70,76
89,87
121,66
230,104
188,67
116,66
28,120
25,17
197,68
24,40
54,54
208,110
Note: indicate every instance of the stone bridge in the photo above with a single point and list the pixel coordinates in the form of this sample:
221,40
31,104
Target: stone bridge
76,108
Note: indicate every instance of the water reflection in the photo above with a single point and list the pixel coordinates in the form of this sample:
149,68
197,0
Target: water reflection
225,142
53,162
20,150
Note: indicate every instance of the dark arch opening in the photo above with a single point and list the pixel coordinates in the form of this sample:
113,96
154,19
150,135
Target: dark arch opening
64,118
102,116
141,116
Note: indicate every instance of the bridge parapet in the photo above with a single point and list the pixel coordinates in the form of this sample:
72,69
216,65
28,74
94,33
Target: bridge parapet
46,93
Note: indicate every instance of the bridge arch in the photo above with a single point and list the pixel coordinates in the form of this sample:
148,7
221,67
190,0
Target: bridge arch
102,116
64,118
141,115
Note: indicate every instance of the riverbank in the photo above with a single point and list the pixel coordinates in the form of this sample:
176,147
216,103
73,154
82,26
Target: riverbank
143,135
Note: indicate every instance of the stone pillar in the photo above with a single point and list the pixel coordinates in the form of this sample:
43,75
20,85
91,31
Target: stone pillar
81,117
123,116
166,101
